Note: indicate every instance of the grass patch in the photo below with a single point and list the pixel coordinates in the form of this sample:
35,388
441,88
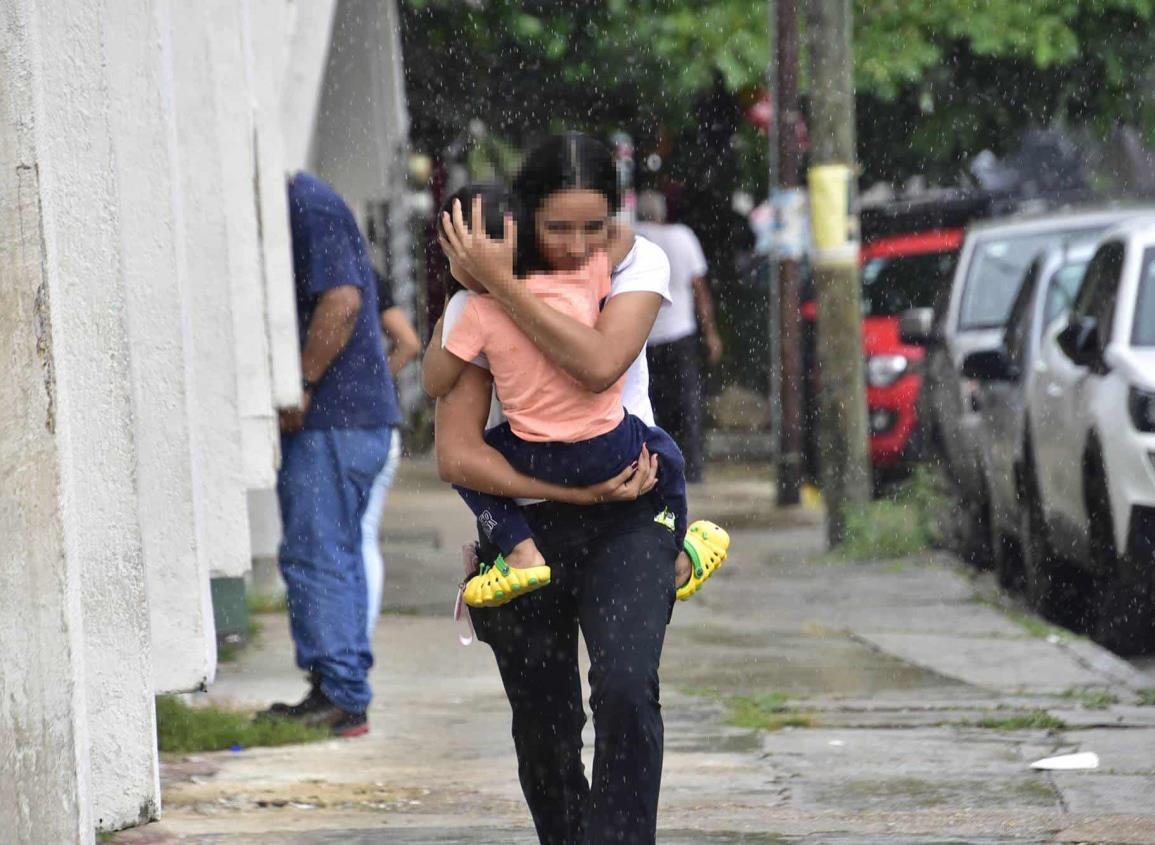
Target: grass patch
231,647
1147,697
1036,720
181,729
766,712
904,523
1033,625
1092,699
770,712
267,604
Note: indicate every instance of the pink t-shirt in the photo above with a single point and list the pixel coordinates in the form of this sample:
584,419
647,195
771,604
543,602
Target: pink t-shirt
541,401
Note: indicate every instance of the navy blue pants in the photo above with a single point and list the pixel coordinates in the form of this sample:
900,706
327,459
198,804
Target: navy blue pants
612,579
577,465
323,488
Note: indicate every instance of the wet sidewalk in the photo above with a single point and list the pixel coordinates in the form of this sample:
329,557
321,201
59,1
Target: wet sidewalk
806,700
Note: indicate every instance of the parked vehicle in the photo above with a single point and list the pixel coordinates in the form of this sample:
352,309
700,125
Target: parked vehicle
909,250
1004,377
898,273
971,319
1089,468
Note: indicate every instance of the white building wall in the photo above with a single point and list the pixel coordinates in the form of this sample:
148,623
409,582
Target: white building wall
147,312
140,92
234,95
93,414
360,130
310,34
267,42
204,255
44,769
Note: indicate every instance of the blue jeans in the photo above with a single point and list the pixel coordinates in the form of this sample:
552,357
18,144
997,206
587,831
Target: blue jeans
577,465
323,488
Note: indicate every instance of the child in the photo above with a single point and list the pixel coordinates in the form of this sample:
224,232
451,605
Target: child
557,430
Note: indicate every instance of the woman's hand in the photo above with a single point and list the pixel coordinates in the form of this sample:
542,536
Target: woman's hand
634,481
490,262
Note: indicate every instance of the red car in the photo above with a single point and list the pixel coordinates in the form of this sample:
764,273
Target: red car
899,272
908,256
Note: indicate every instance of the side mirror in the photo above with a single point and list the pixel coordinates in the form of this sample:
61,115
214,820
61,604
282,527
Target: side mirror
988,365
916,327
1080,340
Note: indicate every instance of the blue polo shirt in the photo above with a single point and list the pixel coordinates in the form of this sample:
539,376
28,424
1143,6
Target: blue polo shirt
328,251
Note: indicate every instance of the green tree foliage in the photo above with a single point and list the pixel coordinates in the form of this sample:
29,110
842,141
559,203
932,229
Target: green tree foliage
939,79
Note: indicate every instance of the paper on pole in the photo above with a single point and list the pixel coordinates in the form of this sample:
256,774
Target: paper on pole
1068,762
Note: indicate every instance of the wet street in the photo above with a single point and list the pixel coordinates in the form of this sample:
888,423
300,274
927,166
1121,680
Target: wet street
807,700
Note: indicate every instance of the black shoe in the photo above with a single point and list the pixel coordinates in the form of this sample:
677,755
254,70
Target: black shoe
317,711
280,709
343,723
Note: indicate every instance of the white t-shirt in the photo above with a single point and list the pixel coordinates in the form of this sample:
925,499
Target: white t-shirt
676,320
644,270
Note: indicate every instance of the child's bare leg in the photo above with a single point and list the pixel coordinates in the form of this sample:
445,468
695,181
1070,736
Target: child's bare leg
525,555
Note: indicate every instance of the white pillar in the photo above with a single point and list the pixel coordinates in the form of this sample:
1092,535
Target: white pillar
360,131
268,43
204,255
44,770
233,89
140,89
82,306
310,33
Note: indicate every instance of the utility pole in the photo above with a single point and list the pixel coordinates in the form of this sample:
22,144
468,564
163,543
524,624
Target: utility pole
773,290
789,163
842,437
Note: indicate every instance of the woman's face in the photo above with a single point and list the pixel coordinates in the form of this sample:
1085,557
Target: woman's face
571,226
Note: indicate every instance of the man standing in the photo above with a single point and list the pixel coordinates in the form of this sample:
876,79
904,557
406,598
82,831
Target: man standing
673,347
333,447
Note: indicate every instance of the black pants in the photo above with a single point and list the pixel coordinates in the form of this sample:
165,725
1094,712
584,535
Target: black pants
676,392
613,577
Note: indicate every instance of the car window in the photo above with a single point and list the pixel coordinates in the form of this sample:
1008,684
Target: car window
1062,289
995,271
1019,321
1096,297
892,284
1143,333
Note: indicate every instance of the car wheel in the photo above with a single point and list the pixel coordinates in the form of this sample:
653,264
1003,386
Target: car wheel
1008,561
1054,587
975,539
1125,611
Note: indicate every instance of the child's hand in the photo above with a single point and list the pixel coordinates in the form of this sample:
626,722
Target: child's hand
490,262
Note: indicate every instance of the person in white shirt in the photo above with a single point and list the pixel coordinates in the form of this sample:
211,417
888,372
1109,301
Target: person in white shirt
673,349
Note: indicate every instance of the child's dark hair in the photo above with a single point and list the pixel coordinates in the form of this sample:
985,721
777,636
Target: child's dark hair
495,204
569,160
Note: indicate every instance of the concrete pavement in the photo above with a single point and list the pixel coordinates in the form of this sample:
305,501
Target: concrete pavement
905,706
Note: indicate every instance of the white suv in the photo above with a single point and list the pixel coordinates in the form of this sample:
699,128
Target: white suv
1089,474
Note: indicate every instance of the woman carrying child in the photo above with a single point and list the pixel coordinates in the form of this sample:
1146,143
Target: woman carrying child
611,566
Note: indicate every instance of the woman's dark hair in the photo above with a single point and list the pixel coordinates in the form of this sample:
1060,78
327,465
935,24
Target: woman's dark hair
569,160
495,204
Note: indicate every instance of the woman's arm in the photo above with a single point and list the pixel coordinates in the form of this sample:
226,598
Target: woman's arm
440,368
465,459
404,345
621,242
597,357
